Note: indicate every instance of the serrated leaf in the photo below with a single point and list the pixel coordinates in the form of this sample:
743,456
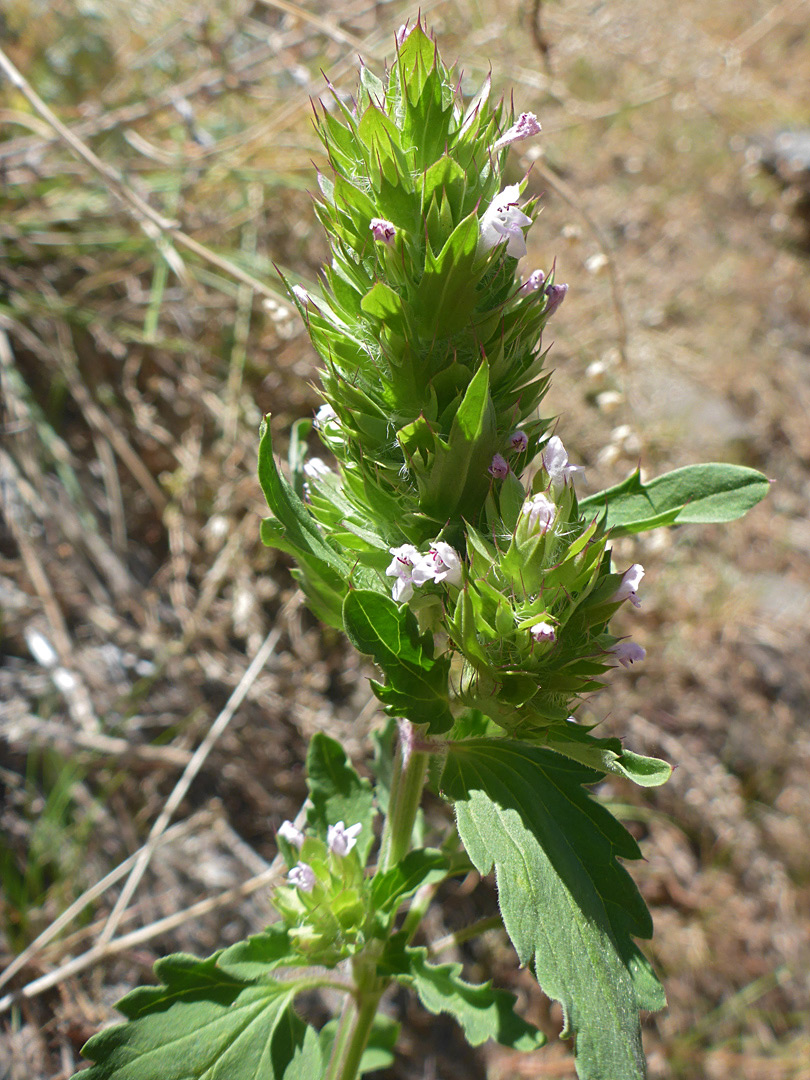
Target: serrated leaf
607,754
568,905
482,1011
204,1024
418,868
337,792
417,684
695,494
253,960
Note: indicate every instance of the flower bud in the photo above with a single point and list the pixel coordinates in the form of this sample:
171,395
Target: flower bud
556,295
555,462
518,441
524,127
533,283
539,513
499,467
543,633
301,294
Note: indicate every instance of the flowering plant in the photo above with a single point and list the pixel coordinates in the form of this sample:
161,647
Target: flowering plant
450,545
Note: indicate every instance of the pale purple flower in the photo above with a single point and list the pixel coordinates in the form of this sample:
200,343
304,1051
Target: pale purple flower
341,840
518,440
302,876
524,127
631,579
301,294
442,563
543,633
533,283
556,295
315,468
503,221
384,231
405,558
540,512
404,32
625,653
293,835
555,462
499,467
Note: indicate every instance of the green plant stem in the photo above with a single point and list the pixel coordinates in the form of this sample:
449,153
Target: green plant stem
359,1010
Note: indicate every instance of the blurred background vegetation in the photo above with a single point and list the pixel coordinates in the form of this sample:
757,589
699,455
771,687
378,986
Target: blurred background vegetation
155,166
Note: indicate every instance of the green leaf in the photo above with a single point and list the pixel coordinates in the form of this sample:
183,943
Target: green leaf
483,1012
568,905
417,684
379,1051
446,296
695,494
418,868
252,960
204,1023
607,755
337,793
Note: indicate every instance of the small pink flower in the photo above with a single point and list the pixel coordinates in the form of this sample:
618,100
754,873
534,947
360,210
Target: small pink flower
524,127
341,840
384,231
543,633
504,221
499,467
302,876
405,558
555,462
291,834
518,440
540,513
442,563
533,283
625,653
556,295
631,579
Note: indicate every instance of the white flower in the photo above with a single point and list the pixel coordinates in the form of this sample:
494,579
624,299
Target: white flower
316,468
555,462
631,579
540,512
301,294
302,876
503,220
341,840
325,415
442,563
625,653
291,834
405,558
543,633
524,127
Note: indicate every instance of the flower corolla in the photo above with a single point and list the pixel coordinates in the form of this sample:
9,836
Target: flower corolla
627,590
301,294
292,834
441,564
302,876
383,230
405,558
540,513
518,440
625,653
555,462
316,468
543,633
325,415
524,127
341,840
498,467
504,221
